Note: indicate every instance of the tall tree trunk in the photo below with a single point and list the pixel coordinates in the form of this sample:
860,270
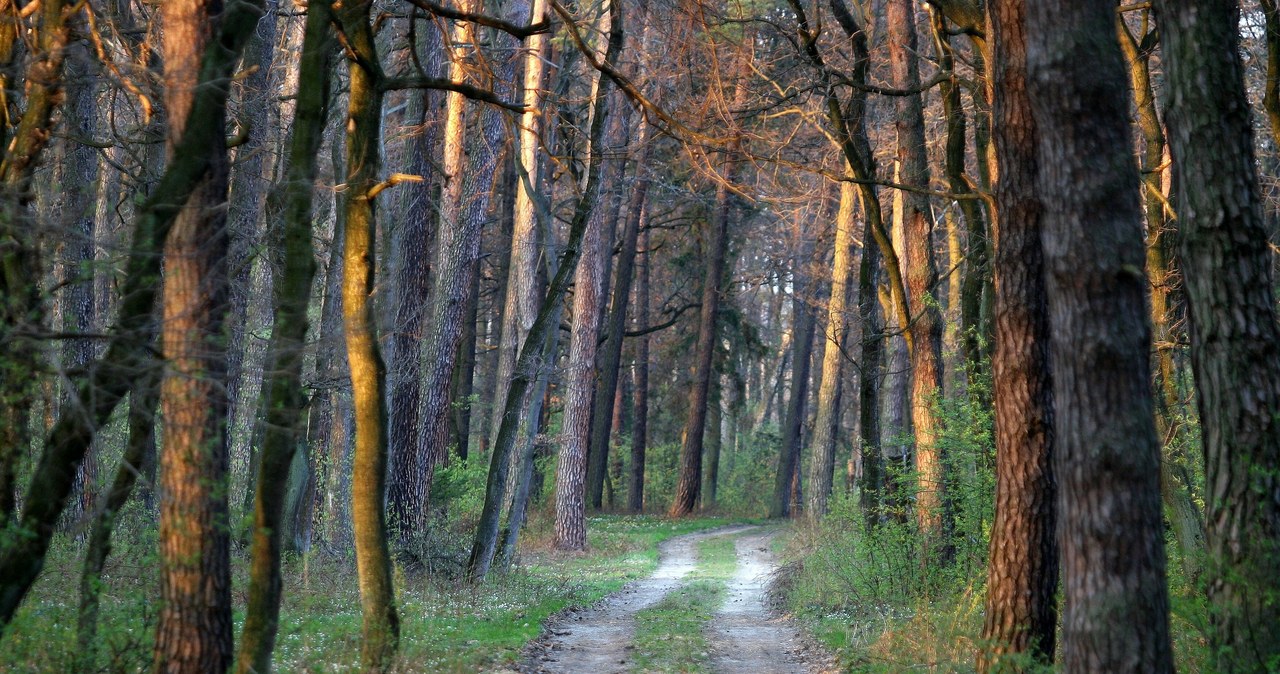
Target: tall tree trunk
249,275
286,402
1235,342
802,329
381,624
640,431
925,325
412,241
521,293
1107,455
1184,515
689,482
1022,574
827,417
611,358
111,377
579,378
194,633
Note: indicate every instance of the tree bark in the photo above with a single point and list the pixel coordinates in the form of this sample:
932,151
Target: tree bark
611,358
924,325
194,633
1022,572
640,431
285,423
381,624
802,327
827,417
1107,455
1235,342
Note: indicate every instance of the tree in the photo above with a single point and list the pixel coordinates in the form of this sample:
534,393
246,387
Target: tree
381,623
1022,571
286,403
827,416
1235,341
194,633
1107,455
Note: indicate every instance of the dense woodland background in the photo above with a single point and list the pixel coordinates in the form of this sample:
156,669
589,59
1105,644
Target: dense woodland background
981,293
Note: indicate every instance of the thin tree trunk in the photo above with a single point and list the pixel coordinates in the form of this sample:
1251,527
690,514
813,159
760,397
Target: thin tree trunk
715,438
925,324
1107,455
802,327
285,423
381,624
640,431
1235,341
827,417
1022,574
611,358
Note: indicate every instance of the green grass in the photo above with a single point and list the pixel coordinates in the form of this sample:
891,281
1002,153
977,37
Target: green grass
669,635
446,626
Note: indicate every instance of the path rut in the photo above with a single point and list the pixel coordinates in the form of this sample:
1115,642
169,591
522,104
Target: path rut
744,635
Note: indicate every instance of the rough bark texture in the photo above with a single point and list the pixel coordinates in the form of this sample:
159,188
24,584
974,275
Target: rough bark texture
194,633
1107,455
925,324
521,298
381,624
1022,572
802,328
1175,486
611,356
827,416
1235,342
285,423
107,380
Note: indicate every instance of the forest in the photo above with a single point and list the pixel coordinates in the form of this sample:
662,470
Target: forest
639,336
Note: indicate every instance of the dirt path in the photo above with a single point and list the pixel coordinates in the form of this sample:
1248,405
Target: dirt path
744,636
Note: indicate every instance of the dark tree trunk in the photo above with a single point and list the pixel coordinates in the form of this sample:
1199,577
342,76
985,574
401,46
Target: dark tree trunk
803,326
640,431
285,423
611,359
1021,613
1235,342
1107,455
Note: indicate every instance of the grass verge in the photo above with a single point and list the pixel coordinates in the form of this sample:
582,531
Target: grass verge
446,626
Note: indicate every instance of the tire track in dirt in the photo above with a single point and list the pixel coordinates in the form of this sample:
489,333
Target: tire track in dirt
744,636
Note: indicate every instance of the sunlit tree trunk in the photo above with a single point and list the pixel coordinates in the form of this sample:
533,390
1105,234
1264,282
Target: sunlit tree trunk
194,633
925,324
827,417
1107,455
381,624
1235,342
1022,571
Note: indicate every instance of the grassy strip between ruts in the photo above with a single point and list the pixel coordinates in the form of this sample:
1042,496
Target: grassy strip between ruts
669,635
446,626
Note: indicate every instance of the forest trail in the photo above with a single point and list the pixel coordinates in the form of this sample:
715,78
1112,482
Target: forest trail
744,635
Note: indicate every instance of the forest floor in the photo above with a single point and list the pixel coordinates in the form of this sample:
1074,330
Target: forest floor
704,609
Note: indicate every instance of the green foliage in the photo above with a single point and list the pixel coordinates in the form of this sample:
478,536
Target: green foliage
876,594
447,626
